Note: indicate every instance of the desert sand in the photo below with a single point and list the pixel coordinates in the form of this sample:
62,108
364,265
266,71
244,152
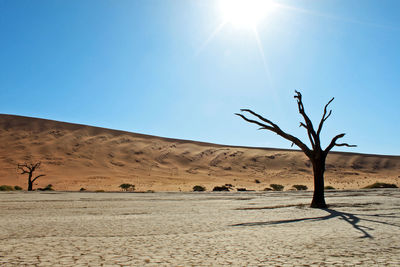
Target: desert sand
76,156
360,228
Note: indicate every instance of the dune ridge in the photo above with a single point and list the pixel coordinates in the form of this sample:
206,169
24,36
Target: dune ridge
75,156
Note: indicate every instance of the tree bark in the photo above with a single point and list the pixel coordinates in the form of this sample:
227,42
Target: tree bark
30,186
318,200
30,182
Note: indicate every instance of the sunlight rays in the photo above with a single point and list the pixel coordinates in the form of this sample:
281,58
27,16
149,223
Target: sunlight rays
211,37
243,14
261,50
331,17
248,14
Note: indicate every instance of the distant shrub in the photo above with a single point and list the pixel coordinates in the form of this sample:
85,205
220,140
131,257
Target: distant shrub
277,187
257,181
49,187
267,189
380,185
6,188
18,188
99,191
229,185
241,189
82,189
199,188
329,187
150,191
221,188
300,187
127,187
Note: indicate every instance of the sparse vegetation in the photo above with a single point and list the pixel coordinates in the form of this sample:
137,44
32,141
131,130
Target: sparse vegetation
10,188
199,188
300,187
221,188
241,189
99,191
6,188
329,187
257,181
277,187
127,187
82,189
49,187
380,185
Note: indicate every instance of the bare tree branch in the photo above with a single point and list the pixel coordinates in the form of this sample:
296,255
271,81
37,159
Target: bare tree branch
275,128
345,144
309,134
263,126
312,135
27,167
333,143
303,125
324,116
41,175
260,117
21,168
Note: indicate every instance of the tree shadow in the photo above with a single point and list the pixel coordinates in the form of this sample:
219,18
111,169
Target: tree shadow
350,218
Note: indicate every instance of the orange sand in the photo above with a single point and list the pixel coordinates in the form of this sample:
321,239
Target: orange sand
75,156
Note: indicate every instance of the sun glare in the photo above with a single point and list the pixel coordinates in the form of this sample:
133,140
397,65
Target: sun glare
245,13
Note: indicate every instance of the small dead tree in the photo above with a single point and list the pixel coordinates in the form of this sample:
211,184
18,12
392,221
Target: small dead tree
30,168
317,155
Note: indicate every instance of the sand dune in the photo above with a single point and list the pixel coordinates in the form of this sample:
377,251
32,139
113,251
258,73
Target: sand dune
75,156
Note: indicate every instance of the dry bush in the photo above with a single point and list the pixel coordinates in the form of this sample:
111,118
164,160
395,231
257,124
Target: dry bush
277,187
199,188
380,185
300,187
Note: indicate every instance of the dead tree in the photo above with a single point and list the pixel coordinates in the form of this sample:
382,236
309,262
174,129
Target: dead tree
317,155
30,168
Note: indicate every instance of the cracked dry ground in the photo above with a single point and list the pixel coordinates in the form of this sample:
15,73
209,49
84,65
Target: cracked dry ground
361,228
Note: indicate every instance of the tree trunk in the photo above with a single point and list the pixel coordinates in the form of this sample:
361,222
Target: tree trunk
30,183
319,198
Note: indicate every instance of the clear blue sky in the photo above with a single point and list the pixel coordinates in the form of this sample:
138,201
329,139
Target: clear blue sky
155,67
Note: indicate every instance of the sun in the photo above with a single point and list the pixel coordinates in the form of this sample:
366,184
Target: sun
245,13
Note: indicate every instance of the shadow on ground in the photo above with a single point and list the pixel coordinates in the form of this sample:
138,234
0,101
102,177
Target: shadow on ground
350,218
